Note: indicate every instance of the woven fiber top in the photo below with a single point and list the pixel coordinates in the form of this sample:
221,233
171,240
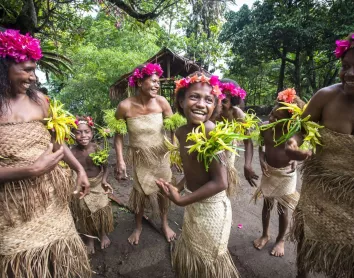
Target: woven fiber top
145,131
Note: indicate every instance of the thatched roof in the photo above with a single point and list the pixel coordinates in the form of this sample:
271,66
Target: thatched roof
171,63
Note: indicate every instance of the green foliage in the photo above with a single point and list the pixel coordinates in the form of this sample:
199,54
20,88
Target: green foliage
99,59
117,126
279,44
174,122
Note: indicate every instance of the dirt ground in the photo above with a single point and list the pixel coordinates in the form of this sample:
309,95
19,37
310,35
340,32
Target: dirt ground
151,258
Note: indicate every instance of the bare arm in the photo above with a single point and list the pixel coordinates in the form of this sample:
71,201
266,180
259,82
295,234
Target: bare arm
217,183
82,183
121,172
248,171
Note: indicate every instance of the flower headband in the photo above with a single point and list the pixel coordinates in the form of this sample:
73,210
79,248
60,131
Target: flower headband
288,95
87,121
235,91
342,46
19,47
213,81
147,70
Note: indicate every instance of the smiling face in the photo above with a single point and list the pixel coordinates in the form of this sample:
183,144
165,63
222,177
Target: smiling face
198,104
21,76
347,72
83,134
150,86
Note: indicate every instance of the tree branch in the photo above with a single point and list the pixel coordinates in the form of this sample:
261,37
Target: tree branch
143,17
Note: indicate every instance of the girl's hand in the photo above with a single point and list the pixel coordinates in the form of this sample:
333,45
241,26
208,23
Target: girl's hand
264,168
82,184
250,175
107,187
170,191
293,165
121,171
47,160
293,152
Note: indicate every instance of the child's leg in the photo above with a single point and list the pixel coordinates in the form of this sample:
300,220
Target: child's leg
262,241
278,250
134,237
169,233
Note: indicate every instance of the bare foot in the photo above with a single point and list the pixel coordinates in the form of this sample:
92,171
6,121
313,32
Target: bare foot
259,243
278,249
169,233
105,241
90,246
134,237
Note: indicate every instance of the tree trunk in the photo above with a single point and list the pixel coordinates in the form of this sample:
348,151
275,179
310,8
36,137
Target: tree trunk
282,71
297,75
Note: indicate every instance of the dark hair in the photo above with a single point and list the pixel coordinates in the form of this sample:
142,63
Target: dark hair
181,94
5,86
298,101
235,100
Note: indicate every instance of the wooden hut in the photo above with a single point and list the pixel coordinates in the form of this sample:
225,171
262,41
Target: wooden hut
172,64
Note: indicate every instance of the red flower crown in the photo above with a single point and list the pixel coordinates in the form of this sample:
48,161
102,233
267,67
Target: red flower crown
19,47
288,95
147,70
87,121
213,81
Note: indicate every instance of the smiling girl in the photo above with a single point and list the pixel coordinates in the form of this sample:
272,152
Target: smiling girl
37,233
201,251
324,217
144,114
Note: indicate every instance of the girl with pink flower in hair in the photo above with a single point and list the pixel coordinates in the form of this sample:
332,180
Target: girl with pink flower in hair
278,182
201,250
37,232
144,114
234,97
324,217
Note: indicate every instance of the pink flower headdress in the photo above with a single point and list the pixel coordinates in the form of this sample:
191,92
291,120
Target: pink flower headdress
87,121
147,70
19,47
288,95
342,46
235,91
213,81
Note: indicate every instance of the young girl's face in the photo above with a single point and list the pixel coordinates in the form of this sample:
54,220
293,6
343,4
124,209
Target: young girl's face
347,72
150,86
199,103
226,103
83,134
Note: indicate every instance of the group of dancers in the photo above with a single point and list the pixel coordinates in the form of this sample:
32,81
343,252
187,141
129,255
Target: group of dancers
41,218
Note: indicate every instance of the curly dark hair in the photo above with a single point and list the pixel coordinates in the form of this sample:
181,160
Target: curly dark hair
181,94
5,86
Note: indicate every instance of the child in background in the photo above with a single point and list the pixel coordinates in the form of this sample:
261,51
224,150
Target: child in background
279,175
93,212
201,250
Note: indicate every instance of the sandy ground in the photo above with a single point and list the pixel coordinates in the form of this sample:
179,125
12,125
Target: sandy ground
151,258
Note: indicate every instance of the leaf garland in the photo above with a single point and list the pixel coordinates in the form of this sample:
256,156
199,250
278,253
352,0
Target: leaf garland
118,126
173,122
60,121
294,125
